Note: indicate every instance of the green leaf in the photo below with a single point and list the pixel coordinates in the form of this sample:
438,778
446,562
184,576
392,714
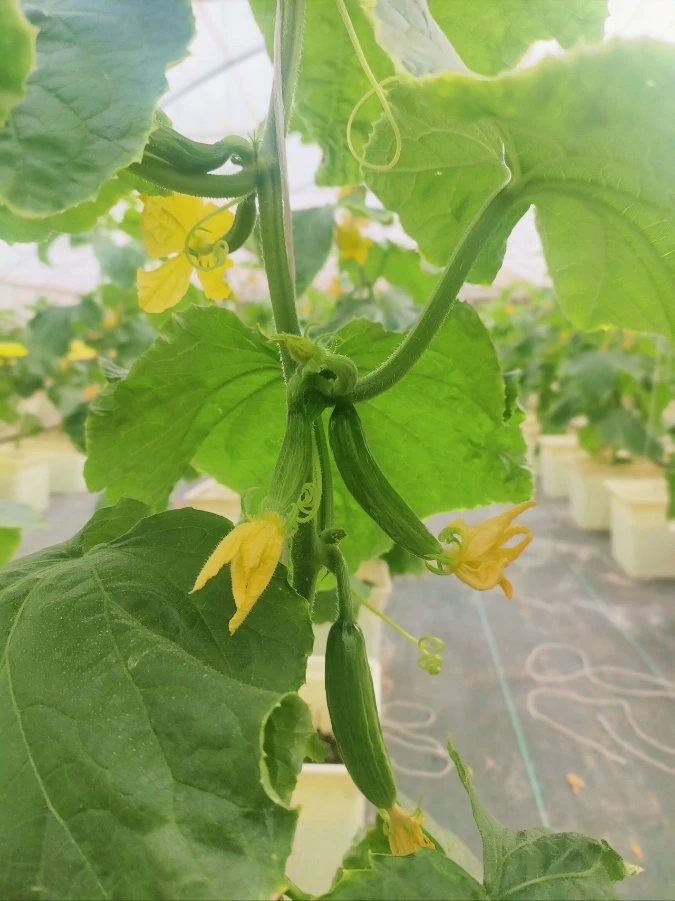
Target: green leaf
411,36
10,539
425,876
312,240
538,865
586,140
400,266
17,55
210,388
331,83
99,75
207,368
77,219
144,752
492,35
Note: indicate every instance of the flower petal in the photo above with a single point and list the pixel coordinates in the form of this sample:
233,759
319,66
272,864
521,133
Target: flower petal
166,221
11,350
216,227
254,564
489,534
162,288
215,286
405,831
221,556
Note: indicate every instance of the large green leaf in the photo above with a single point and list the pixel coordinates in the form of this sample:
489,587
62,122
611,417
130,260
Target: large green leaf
586,138
312,239
492,35
426,876
141,756
211,389
331,83
80,218
539,865
17,55
89,102
207,368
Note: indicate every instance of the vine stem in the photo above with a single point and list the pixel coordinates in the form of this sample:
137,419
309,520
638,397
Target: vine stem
272,178
336,563
362,599
441,302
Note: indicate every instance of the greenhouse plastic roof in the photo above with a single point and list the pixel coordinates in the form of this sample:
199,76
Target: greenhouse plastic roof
222,87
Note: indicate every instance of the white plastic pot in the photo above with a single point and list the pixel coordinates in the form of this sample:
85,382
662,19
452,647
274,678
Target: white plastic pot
332,809
23,480
214,498
589,495
376,573
642,542
65,463
556,454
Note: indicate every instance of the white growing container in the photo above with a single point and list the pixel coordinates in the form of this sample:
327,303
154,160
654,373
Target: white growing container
556,454
65,462
589,495
23,480
642,542
531,431
332,809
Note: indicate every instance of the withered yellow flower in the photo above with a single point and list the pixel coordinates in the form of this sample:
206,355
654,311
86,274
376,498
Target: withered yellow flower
80,352
352,245
405,831
168,227
479,554
254,550
12,350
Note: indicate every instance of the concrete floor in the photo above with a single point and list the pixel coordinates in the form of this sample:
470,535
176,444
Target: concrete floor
569,592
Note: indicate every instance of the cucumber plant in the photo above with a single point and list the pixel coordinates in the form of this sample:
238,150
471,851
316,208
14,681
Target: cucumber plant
152,730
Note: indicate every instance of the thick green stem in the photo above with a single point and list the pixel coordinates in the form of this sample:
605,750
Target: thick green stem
442,300
274,218
195,183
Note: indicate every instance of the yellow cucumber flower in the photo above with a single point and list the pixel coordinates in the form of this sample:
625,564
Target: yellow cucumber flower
404,831
79,352
254,549
12,350
352,245
172,227
479,556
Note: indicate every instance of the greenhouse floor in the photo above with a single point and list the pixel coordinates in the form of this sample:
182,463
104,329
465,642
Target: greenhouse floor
558,699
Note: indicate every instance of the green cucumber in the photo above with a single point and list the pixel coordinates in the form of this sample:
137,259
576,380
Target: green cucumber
371,489
353,714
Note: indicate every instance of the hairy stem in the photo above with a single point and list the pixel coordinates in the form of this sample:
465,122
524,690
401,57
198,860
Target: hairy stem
442,300
274,212
337,564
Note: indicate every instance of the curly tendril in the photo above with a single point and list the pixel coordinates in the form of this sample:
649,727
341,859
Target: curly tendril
431,647
207,256
376,88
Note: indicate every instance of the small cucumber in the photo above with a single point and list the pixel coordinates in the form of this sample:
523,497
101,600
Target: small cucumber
171,147
353,714
244,220
370,487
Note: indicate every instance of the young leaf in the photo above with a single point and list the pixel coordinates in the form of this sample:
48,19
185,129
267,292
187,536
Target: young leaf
140,740
99,74
17,55
586,139
539,865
